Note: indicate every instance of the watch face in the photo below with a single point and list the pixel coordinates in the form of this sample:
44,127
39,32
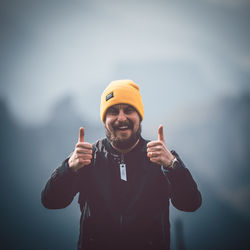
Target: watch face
175,163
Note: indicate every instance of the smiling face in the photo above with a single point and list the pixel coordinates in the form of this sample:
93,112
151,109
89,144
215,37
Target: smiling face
123,128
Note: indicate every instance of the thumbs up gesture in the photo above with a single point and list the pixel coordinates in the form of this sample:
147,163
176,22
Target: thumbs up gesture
158,152
82,154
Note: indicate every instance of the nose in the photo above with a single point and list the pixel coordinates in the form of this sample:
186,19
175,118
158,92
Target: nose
121,116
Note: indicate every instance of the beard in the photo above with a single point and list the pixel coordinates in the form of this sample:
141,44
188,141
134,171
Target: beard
123,143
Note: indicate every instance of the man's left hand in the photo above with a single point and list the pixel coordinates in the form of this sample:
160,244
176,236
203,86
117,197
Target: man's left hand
158,152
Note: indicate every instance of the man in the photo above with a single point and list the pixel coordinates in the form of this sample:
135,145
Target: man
124,182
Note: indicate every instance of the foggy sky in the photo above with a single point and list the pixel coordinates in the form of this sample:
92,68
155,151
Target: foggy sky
195,51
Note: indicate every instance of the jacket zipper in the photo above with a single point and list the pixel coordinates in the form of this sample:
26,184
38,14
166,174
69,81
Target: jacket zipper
122,158
123,173
123,177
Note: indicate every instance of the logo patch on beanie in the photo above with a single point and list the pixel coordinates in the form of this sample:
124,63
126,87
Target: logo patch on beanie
109,96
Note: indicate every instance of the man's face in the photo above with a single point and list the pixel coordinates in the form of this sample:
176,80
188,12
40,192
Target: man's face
122,125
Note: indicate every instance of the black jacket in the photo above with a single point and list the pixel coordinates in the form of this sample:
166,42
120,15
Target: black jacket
118,214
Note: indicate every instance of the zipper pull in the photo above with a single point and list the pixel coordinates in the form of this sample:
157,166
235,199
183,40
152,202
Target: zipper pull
123,173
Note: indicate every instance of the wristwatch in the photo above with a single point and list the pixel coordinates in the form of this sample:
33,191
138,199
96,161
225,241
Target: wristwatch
173,164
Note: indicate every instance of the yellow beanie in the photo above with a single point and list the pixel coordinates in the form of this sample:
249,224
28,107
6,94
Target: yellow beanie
121,91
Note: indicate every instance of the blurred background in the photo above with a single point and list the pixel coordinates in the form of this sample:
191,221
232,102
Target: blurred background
191,60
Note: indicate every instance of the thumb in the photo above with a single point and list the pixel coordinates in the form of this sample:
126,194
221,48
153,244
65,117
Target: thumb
160,133
81,135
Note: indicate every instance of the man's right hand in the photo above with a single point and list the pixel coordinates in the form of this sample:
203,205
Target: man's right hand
82,154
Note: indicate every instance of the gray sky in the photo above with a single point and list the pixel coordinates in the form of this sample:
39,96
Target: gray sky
194,51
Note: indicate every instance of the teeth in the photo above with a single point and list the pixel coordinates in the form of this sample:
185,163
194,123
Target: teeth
123,127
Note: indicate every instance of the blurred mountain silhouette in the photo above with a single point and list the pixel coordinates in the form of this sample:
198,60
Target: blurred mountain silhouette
215,143
30,154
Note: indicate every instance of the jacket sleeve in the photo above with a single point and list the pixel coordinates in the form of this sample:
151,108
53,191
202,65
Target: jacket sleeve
61,188
184,193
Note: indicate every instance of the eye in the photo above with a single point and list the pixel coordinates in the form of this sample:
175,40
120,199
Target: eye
112,111
129,110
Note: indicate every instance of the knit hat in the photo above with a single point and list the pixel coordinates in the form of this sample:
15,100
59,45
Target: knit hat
121,91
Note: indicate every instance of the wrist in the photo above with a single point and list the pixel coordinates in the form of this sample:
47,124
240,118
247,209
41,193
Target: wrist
71,166
172,165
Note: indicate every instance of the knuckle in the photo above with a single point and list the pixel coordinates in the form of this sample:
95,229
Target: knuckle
77,150
87,157
78,161
153,160
87,162
87,144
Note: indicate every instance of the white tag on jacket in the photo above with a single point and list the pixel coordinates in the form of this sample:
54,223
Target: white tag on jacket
123,171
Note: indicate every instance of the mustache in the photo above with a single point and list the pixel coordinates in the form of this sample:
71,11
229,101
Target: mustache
128,123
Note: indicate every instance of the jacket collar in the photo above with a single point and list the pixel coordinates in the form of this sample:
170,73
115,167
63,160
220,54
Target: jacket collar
140,147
